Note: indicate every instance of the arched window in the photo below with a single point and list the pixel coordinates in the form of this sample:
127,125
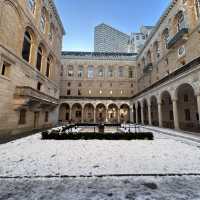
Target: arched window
43,21
39,58
48,69
121,71
166,36
70,71
149,61
100,72
31,5
80,71
110,72
197,5
26,49
90,71
180,21
143,62
51,32
157,49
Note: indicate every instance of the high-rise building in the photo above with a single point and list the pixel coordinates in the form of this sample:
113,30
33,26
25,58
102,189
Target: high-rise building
109,39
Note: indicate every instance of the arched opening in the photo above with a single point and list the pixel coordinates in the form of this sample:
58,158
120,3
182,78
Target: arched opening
26,49
139,112
49,64
145,112
154,111
88,113
167,110
124,113
100,113
77,113
113,113
187,108
64,113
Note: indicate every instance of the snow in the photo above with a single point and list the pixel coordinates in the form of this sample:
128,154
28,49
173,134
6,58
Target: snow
32,156
124,188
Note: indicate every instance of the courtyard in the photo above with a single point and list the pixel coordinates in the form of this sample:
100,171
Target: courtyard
167,167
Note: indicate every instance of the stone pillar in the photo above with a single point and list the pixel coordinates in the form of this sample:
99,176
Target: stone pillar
118,117
131,115
70,114
95,115
198,106
136,112
142,113
160,114
82,114
106,115
175,112
149,113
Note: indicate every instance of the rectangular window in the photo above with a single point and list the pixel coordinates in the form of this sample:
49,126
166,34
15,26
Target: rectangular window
68,92
79,92
46,116
5,69
22,117
39,86
171,115
187,115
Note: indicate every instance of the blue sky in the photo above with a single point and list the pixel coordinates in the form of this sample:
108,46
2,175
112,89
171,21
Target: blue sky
79,18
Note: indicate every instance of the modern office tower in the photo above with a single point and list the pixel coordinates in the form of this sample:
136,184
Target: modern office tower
109,39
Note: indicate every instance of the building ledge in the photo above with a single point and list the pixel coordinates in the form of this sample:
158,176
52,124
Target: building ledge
179,38
29,97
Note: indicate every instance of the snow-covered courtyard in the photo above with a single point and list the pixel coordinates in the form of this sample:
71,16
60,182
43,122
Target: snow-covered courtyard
32,161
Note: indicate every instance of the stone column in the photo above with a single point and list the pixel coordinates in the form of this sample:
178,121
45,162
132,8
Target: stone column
106,114
136,112
198,106
149,113
95,115
160,114
175,112
118,119
82,115
131,115
142,113
70,114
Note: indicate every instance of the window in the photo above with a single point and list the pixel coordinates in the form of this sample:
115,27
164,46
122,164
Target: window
80,71
46,117
121,72
197,5
186,98
70,71
39,58
166,36
157,49
90,71
79,92
110,72
130,72
171,115
100,72
22,117
51,31
31,5
39,86
79,85
43,21
149,58
68,92
49,60
69,84
187,114
180,21
5,70
26,50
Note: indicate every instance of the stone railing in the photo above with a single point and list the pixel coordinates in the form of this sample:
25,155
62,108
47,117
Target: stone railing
33,93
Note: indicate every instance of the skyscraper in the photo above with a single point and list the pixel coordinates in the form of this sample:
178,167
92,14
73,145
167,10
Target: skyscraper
109,39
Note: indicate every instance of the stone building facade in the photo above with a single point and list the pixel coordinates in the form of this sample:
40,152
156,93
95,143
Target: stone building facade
30,61
160,86
97,86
